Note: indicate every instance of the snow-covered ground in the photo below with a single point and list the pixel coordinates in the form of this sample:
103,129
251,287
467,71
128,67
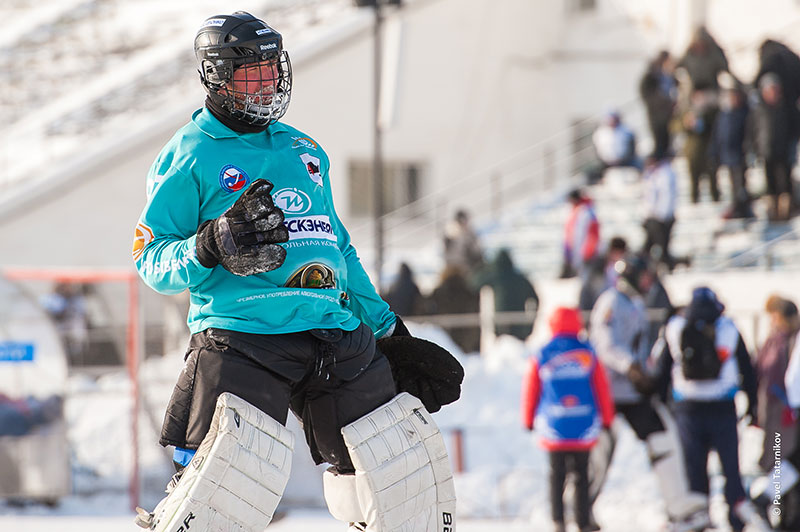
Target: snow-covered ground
503,486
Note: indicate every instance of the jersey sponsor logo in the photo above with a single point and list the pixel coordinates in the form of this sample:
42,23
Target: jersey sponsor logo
318,227
314,275
142,236
232,178
312,167
292,201
169,265
304,142
572,364
214,22
570,400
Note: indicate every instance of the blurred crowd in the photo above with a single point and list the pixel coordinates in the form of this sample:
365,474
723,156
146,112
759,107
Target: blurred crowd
721,124
623,347
457,291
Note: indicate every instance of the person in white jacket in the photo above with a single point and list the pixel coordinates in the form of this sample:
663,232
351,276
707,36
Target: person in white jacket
619,329
660,193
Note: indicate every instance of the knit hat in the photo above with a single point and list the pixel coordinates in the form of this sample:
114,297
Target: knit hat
704,306
565,320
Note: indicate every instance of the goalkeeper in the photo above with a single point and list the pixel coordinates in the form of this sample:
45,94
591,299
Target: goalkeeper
283,316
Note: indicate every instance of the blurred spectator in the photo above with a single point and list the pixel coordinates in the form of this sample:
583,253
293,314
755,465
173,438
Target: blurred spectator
20,416
454,295
66,305
403,295
659,91
774,413
777,367
600,274
790,496
728,144
659,307
567,398
660,191
697,118
704,358
619,328
703,61
512,292
776,58
461,245
581,235
615,145
773,140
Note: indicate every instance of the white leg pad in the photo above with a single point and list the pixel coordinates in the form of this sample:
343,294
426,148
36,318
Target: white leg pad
237,476
404,481
670,468
341,497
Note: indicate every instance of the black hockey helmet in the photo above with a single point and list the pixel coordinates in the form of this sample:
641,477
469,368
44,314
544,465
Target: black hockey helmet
226,43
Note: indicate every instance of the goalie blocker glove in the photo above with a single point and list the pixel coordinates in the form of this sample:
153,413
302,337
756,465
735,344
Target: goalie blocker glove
244,239
423,369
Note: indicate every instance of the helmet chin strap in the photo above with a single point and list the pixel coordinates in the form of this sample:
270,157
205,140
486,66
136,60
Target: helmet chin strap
231,122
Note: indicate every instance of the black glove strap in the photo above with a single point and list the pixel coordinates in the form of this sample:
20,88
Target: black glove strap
206,246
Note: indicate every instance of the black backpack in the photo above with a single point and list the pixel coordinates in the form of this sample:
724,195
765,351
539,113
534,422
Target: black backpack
699,358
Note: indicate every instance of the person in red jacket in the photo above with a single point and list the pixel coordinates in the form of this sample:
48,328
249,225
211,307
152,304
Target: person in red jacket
581,236
566,396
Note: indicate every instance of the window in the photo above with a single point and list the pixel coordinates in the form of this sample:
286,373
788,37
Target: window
401,185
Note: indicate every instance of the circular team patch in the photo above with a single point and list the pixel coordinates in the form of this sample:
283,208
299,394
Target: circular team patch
233,178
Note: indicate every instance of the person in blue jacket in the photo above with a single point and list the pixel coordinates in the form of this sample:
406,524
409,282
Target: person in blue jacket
567,397
240,213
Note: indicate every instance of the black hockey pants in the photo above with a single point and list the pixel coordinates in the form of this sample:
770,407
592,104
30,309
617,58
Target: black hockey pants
328,377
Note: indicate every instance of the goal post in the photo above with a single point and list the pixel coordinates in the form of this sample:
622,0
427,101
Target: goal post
133,336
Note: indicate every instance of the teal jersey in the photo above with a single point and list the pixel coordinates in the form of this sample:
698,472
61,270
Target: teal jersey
197,176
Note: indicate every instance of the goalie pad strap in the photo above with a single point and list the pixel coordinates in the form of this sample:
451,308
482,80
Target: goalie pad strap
403,477
237,476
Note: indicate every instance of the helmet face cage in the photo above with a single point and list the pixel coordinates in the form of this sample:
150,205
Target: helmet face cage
253,89
244,69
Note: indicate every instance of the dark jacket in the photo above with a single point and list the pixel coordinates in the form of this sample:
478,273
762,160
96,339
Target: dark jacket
403,296
511,292
772,126
454,295
771,364
729,134
659,102
703,61
777,58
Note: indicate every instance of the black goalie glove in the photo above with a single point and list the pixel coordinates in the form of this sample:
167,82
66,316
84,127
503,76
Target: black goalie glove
244,239
422,368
